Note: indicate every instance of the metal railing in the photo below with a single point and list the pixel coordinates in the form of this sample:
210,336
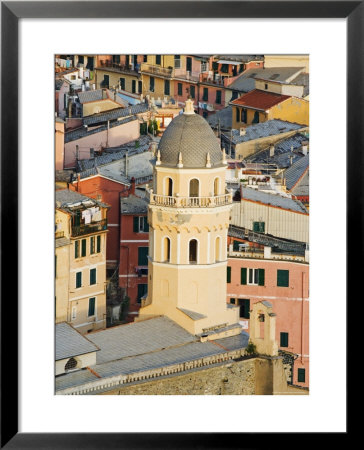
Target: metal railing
120,67
93,227
157,70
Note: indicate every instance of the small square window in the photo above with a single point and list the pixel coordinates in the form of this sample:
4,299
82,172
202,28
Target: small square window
283,278
284,339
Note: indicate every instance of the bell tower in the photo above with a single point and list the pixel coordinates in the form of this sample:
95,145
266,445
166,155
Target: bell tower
188,218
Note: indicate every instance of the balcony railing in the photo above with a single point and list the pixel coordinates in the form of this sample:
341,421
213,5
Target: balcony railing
157,70
189,202
93,227
59,234
117,66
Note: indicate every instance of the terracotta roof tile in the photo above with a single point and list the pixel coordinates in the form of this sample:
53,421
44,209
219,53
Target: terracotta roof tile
259,99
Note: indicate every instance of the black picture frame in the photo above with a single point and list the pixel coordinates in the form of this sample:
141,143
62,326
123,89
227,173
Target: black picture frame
11,12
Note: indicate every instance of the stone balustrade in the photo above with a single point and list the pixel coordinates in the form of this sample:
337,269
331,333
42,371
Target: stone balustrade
189,202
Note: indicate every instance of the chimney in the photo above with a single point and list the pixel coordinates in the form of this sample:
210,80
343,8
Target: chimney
94,86
271,150
242,131
290,159
83,87
304,148
132,186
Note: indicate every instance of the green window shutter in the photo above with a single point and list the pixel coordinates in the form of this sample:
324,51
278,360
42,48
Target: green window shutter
283,278
91,306
78,279
237,114
83,244
143,256
98,244
243,271
218,97
166,87
92,276
142,289
192,91
146,225
77,249
228,274
301,378
179,88
261,277
284,339
236,246
92,245
136,224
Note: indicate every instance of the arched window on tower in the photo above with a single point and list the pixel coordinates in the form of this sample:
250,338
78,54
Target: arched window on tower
166,249
193,248
194,188
217,249
216,186
168,189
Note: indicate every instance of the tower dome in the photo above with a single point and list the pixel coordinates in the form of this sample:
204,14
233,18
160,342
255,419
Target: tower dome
190,135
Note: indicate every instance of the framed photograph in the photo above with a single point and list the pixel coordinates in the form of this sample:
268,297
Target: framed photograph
35,35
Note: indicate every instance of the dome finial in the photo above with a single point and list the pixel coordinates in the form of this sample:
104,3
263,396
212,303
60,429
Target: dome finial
158,162
189,107
208,160
224,156
180,163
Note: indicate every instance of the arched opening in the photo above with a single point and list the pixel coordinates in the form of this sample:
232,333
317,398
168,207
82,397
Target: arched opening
217,249
194,187
71,364
193,248
256,117
216,186
166,249
168,188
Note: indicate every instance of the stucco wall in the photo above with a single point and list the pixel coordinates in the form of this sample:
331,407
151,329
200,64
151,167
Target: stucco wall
115,136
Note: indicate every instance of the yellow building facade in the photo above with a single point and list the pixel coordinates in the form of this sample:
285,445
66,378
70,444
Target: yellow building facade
189,217
80,262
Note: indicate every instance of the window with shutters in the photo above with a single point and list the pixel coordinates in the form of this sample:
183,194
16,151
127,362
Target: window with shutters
179,85
92,245
244,115
205,95
284,339
158,59
140,87
301,375
91,306
142,290
143,256
140,224
259,227
252,276
166,87
192,91
122,84
145,58
218,97
92,276
78,279
133,86
98,244
83,247
151,84
237,110
228,274
77,249
283,278
256,117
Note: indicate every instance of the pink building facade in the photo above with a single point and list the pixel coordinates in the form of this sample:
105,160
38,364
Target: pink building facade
284,284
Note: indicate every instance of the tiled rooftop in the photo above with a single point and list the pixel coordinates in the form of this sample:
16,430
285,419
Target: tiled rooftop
70,342
272,199
115,114
264,129
133,205
283,150
65,198
294,173
91,95
146,345
260,100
